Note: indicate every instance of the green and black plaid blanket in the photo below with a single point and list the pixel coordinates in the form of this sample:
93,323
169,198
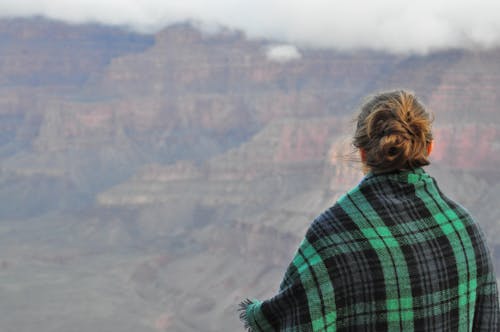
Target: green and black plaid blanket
393,254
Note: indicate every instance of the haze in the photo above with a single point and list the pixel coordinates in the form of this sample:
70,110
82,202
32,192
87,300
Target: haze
388,25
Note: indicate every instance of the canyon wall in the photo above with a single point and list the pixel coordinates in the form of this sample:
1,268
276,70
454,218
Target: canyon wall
150,182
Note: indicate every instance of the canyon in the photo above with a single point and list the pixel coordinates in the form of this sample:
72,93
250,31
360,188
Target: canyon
151,182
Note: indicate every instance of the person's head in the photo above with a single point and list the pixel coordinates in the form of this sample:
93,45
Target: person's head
393,132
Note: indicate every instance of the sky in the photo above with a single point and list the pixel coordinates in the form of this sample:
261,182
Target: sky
396,26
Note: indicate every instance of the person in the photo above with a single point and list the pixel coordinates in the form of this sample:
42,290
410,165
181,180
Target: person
393,253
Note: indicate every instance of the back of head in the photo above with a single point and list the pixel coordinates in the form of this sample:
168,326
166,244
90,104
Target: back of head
394,130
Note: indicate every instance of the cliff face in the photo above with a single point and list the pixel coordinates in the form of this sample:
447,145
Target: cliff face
469,146
38,52
178,172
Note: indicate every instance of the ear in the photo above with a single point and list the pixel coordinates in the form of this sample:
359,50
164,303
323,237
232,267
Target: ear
430,146
362,153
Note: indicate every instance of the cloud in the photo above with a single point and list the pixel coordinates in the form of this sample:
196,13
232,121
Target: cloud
391,25
283,53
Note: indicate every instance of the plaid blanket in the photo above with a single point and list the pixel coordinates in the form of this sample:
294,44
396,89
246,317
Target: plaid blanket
393,254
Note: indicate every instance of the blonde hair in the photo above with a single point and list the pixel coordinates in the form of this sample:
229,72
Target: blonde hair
394,130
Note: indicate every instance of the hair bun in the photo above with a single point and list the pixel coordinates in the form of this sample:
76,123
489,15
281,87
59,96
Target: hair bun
394,129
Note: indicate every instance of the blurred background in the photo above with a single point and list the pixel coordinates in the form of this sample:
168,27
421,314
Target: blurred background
159,162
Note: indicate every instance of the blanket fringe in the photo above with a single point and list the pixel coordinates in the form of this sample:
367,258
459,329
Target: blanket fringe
243,313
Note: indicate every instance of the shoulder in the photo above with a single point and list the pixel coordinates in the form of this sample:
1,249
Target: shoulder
333,222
